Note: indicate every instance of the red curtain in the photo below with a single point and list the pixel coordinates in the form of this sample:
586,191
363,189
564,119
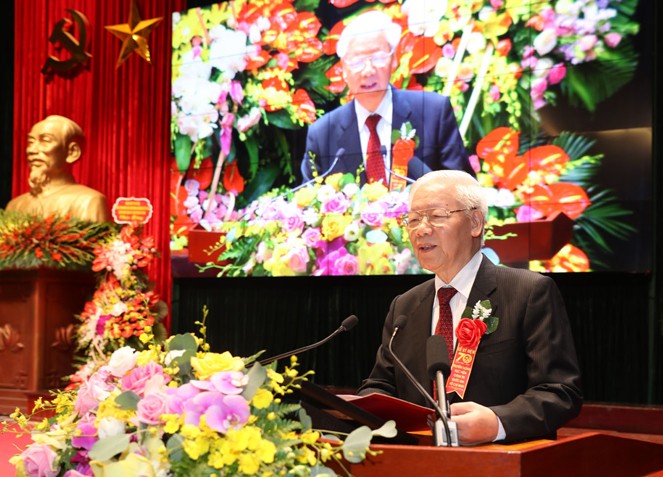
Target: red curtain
124,112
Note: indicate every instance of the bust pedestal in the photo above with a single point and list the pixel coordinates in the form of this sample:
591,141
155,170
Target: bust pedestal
37,331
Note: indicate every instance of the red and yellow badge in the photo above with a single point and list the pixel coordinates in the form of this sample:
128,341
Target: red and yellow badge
404,141
475,323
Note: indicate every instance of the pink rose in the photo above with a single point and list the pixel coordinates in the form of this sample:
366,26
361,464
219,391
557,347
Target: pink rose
38,461
135,381
557,73
151,407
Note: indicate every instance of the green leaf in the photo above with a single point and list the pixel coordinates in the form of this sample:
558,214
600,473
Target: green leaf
321,471
305,419
257,375
491,324
128,401
108,447
306,5
174,446
183,147
282,120
263,181
355,445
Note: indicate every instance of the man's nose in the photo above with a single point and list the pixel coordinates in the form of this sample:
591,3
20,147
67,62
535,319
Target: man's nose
368,69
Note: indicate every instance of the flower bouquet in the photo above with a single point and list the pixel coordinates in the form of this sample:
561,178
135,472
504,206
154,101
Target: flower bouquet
124,310
179,409
329,227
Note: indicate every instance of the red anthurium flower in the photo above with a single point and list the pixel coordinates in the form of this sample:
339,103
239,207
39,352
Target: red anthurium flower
425,55
307,50
503,47
305,106
568,259
547,159
202,174
255,62
329,45
497,144
232,180
559,197
335,75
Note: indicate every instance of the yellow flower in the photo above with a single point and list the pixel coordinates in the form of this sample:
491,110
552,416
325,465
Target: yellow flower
333,226
303,197
374,191
334,180
373,259
310,436
262,399
207,364
248,464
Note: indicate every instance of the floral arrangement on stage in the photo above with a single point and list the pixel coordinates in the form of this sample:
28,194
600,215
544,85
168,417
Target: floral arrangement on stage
179,409
124,309
30,241
330,227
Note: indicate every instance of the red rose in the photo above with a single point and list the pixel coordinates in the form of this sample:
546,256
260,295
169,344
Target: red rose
469,332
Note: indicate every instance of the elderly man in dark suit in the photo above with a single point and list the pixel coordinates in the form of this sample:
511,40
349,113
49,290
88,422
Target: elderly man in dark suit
363,128
525,380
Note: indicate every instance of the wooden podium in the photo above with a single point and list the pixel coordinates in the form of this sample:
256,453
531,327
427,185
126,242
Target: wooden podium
588,454
37,323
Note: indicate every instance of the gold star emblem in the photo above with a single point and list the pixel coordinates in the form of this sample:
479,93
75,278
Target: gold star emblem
134,35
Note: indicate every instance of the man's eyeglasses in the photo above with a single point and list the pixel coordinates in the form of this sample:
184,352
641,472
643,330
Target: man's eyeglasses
358,63
435,217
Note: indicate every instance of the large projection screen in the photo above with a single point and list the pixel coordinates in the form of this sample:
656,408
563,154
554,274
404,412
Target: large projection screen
552,100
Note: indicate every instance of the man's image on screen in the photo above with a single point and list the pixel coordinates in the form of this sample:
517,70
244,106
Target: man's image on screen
367,51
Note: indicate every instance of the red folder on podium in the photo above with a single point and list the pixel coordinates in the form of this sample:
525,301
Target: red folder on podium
409,417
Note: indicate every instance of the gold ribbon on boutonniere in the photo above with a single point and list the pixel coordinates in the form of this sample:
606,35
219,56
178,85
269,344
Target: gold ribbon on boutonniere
404,141
475,323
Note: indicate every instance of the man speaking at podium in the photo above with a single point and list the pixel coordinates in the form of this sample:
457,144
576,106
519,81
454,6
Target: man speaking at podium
524,380
363,128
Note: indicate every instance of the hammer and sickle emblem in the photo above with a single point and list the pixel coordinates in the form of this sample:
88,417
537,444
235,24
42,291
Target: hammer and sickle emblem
61,38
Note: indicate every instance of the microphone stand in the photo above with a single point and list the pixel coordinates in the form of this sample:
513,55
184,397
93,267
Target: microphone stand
346,325
441,439
443,422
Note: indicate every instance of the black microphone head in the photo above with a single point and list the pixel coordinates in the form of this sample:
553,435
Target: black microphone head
383,150
350,322
340,152
437,357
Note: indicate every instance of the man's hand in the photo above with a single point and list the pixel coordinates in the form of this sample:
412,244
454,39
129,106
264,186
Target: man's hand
476,423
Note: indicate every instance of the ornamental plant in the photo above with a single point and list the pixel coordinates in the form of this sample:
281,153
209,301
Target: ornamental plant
329,227
179,409
31,241
124,309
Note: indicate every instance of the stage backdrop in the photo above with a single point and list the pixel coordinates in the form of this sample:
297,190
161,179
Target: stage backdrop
123,111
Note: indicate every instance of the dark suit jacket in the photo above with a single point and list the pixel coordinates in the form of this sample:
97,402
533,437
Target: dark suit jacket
526,371
440,144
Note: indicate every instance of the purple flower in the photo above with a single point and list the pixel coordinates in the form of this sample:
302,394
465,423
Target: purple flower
39,460
291,217
225,382
177,397
527,214
337,204
346,264
232,412
374,214
101,324
313,238
557,73
86,434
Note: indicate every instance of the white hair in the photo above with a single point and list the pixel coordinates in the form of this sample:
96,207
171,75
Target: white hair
369,23
469,192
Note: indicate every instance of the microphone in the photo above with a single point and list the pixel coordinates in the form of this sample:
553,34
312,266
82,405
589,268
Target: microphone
337,157
438,367
346,325
399,323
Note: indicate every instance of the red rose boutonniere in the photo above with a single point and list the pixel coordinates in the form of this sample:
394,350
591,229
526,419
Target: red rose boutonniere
404,141
475,323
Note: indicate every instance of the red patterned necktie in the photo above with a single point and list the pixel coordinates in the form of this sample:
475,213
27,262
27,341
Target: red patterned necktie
445,323
374,160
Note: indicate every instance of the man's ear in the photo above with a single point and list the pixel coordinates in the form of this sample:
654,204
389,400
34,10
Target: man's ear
73,152
477,221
